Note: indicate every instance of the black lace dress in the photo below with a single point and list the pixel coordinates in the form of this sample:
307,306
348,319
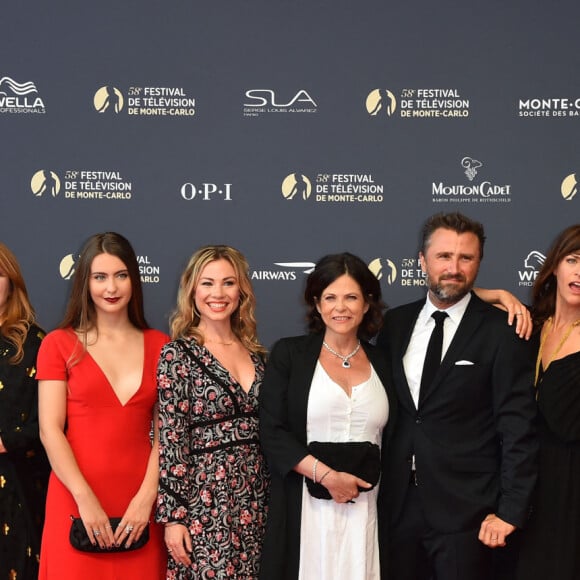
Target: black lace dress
24,469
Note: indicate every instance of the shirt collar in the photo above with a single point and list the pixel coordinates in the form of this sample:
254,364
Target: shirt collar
455,312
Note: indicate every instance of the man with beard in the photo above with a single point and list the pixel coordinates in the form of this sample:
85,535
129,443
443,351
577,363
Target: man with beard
461,466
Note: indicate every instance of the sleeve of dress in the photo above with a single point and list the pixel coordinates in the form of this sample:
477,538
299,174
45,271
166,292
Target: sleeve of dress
23,434
281,446
173,378
53,355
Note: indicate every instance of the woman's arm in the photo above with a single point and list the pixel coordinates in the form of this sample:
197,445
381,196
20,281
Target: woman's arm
52,419
173,381
516,310
138,513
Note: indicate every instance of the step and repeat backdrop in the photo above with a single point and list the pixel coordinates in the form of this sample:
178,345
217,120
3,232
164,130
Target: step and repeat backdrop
288,129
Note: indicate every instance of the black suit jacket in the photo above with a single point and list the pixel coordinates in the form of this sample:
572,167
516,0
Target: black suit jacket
472,435
283,411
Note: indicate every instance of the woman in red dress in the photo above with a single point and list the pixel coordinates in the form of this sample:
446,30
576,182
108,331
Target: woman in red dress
97,407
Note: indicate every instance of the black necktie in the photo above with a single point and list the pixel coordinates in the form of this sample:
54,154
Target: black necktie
433,354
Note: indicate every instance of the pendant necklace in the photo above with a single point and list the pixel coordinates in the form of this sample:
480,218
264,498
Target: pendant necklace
345,358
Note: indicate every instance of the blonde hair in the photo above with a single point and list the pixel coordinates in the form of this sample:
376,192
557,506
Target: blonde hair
185,319
18,313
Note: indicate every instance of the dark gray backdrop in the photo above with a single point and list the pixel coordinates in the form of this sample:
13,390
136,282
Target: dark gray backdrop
314,66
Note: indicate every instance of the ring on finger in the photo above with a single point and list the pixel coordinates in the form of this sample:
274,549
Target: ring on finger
96,532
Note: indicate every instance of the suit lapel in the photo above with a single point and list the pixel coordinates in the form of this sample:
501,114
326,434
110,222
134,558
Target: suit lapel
307,358
400,344
472,319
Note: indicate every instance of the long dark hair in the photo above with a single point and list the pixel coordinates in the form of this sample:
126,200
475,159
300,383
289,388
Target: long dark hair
544,289
327,270
80,313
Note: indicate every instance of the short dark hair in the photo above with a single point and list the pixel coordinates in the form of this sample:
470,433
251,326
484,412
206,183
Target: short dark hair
456,222
327,270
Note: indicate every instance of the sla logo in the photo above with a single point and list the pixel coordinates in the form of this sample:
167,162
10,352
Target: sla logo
384,266
67,266
381,100
296,183
569,187
45,180
267,98
108,99
471,166
532,264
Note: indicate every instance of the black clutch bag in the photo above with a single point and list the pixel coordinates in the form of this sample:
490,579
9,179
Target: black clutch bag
360,458
80,540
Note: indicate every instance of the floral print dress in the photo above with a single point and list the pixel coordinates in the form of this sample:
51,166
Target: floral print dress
213,475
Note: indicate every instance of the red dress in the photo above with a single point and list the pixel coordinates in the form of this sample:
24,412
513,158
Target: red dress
111,444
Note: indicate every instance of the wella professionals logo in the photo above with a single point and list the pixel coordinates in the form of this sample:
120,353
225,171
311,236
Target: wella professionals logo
18,97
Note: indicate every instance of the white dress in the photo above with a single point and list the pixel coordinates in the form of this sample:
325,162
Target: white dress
340,541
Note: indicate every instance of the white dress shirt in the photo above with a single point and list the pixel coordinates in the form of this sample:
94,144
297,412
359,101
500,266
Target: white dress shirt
414,357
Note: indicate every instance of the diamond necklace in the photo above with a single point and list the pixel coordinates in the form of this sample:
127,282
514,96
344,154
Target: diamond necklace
345,358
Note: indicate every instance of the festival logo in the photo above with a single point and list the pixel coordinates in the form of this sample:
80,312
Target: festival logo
381,101
264,101
145,101
533,263
108,99
45,181
296,183
19,97
148,271
483,192
569,187
67,266
334,188
383,267
83,185
419,103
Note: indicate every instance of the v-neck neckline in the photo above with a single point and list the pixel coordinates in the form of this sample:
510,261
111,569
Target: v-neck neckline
232,378
111,384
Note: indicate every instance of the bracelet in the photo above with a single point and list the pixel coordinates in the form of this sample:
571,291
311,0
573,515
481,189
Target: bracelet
325,474
314,470
168,524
